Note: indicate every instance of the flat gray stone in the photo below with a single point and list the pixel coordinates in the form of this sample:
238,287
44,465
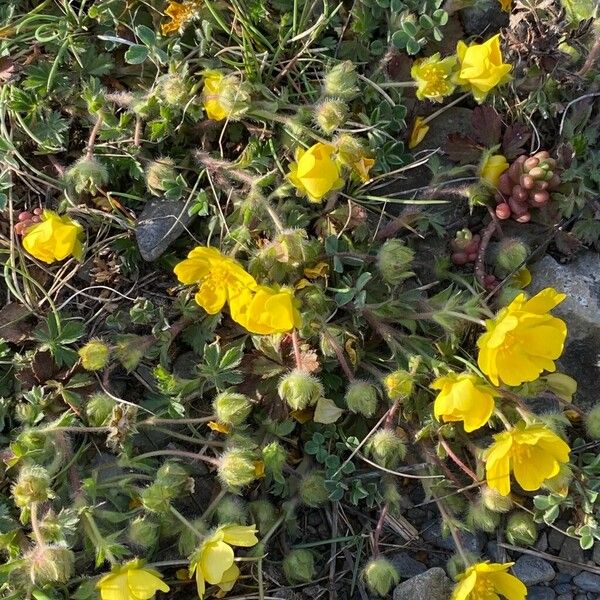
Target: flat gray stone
532,570
566,596
483,18
571,550
430,585
580,281
406,565
588,582
596,554
555,539
540,592
160,223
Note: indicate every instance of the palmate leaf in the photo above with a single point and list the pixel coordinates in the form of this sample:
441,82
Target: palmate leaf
51,131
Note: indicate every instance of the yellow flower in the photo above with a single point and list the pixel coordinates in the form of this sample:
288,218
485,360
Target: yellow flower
213,87
180,13
481,68
521,279
131,582
220,277
484,581
213,562
265,310
54,238
523,340
434,77
492,167
361,168
464,397
505,5
315,172
418,132
533,453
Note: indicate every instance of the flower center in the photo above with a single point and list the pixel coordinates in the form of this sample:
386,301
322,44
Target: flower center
484,588
436,80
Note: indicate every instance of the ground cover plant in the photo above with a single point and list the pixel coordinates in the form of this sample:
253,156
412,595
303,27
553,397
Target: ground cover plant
256,305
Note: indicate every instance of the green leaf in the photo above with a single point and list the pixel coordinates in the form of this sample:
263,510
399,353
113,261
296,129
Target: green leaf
409,28
136,55
327,412
146,34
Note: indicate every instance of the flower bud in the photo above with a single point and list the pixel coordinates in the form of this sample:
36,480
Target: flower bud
231,509
130,350
299,566
234,97
187,540
300,389
510,255
521,529
173,89
312,490
94,355
341,81
143,532
237,468
264,515
174,476
99,408
274,457
87,175
156,498
559,484
349,148
398,384
50,564
380,576
481,518
459,563
361,397
386,448
495,501
32,485
158,172
394,260
592,422
330,114
231,408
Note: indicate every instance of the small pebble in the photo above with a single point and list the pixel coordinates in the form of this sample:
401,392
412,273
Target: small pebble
532,570
589,582
539,592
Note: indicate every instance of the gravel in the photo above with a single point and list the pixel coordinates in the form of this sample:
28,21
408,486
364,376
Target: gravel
589,582
532,570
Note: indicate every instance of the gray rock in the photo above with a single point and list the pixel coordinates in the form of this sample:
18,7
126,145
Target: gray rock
494,551
562,578
596,554
539,592
430,585
571,551
471,542
406,565
532,570
564,597
580,280
484,18
159,225
588,582
563,588
581,597
555,539
542,542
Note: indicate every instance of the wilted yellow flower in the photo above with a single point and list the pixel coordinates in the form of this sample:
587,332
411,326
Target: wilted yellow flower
220,277
315,172
463,397
533,453
265,310
352,153
213,562
505,5
481,68
523,340
521,279
131,581
181,14
54,238
434,77
485,581
213,87
492,167
418,132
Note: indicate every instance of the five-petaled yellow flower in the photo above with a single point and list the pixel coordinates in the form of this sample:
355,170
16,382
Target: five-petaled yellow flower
180,13
54,238
463,397
315,172
131,581
213,562
491,169
488,581
418,132
265,310
481,68
523,340
220,277
214,85
533,453
434,77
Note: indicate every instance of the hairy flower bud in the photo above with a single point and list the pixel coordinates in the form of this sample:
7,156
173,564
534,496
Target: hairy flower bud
386,448
380,576
50,564
32,485
330,114
458,563
361,398
481,518
143,532
87,175
394,260
341,81
173,89
495,501
158,172
99,408
592,422
264,515
232,408
156,498
510,255
174,476
312,490
521,529
300,389
237,468
94,355
398,384
274,457
299,566
231,509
